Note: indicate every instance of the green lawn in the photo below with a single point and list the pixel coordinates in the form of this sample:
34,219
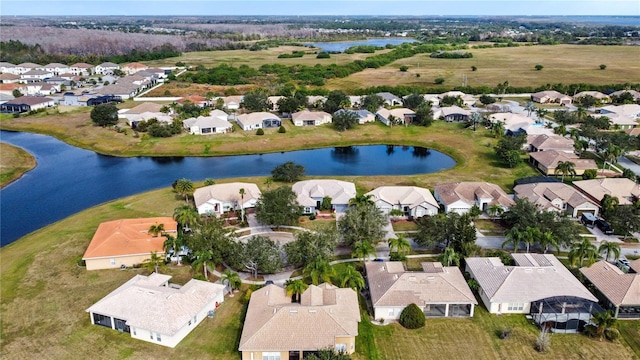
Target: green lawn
404,226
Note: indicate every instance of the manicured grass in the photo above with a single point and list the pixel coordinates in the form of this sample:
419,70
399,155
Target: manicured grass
489,227
404,225
313,224
630,332
565,64
14,162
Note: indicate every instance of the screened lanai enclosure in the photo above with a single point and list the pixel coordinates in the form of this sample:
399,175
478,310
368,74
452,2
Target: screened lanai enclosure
563,314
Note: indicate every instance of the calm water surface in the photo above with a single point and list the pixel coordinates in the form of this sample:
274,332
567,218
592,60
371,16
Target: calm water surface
341,46
68,179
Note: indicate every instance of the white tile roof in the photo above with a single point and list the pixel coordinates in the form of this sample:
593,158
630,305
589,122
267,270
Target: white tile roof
229,192
411,196
339,191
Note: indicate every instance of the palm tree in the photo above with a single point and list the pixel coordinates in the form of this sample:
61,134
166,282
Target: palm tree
360,200
268,181
611,154
475,119
497,129
581,251
565,168
295,288
609,248
233,279
184,187
603,321
186,216
202,257
449,256
514,237
560,130
541,112
317,270
581,113
495,210
548,239
362,250
400,244
241,192
350,277
156,229
530,108
175,244
154,262
531,236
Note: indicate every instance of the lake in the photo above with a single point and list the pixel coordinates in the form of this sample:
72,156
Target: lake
69,179
341,46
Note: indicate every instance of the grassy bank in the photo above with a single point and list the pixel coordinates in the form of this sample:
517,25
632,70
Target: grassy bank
14,162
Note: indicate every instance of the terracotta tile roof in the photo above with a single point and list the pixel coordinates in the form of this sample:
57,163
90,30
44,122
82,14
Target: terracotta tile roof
274,323
467,192
618,287
11,86
127,237
339,191
391,285
537,276
147,303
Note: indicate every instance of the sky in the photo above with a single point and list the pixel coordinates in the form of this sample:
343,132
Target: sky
319,7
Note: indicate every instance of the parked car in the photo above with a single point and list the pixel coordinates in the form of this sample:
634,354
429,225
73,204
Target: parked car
588,219
604,227
623,264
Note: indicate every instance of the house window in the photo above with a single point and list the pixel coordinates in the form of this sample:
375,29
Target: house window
151,335
270,356
341,348
194,318
112,261
158,337
390,312
134,331
515,306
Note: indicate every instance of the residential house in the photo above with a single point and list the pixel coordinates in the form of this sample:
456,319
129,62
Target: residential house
316,101
7,68
8,89
433,98
24,67
539,285
220,198
8,78
634,93
106,68
411,200
439,291
194,99
122,89
258,120
4,98
393,116
355,101
215,123
35,75
622,116
232,102
619,121
627,191
462,196
364,116
152,310
274,101
140,109
451,113
42,89
134,119
618,291
554,196
310,118
310,194
545,142
86,98
26,103
126,242
600,97
275,328
551,96
467,100
389,99
513,123
134,67
81,69
547,162
55,68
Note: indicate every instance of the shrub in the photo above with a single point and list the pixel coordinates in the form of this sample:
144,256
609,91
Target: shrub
590,174
612,334
417,75
603,66
439,81
260,132
209,181
504,333
412,317
404,68
396,256
543,341
323,55
474,68
282,130
247,296
312,217
538,67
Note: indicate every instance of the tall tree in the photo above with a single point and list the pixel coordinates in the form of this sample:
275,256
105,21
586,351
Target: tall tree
232,278
583,250
242,193
288,172
547,239
372,102
310,245
565,168
257,100
278,207
363,223
174,244
202,257
335,99
603,321
184,187
344,120
529,107
186,216
400,244
350,277
514,237
424,114
413,101
104,115
609,248
361,200
448,230
154,262
156,229
362,250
